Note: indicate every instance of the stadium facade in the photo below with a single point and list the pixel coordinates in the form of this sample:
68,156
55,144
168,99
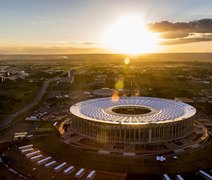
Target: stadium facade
132,120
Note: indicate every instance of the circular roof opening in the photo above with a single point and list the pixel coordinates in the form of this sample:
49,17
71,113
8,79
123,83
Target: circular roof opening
162,110
131,110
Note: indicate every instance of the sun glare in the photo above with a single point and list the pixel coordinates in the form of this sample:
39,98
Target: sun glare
129,35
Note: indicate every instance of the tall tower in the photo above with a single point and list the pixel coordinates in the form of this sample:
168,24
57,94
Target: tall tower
69,73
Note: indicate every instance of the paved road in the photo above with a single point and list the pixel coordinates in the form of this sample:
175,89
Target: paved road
7,120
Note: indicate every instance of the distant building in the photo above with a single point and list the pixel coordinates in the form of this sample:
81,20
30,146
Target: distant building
2,78
32,118
65,80
104,92
99,80
23,74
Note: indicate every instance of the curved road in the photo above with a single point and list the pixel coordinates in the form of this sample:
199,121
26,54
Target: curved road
7,120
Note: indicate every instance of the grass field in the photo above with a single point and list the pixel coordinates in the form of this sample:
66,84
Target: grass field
16,95
186,162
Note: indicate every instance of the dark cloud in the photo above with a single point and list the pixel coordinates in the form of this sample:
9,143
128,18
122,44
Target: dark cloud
183,32
188,40
174,34
199,26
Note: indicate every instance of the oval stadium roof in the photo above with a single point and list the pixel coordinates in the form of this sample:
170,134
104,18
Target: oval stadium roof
162,110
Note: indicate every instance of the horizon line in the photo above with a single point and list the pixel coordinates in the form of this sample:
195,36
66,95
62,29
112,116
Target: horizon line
204,52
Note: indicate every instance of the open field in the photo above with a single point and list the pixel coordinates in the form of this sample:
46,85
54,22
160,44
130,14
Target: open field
15,95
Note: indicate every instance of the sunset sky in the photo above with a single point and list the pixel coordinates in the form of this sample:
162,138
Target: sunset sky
82,26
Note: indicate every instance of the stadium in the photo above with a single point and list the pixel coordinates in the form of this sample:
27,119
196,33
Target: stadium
132,120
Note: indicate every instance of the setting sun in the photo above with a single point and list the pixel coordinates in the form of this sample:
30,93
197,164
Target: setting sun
129,35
